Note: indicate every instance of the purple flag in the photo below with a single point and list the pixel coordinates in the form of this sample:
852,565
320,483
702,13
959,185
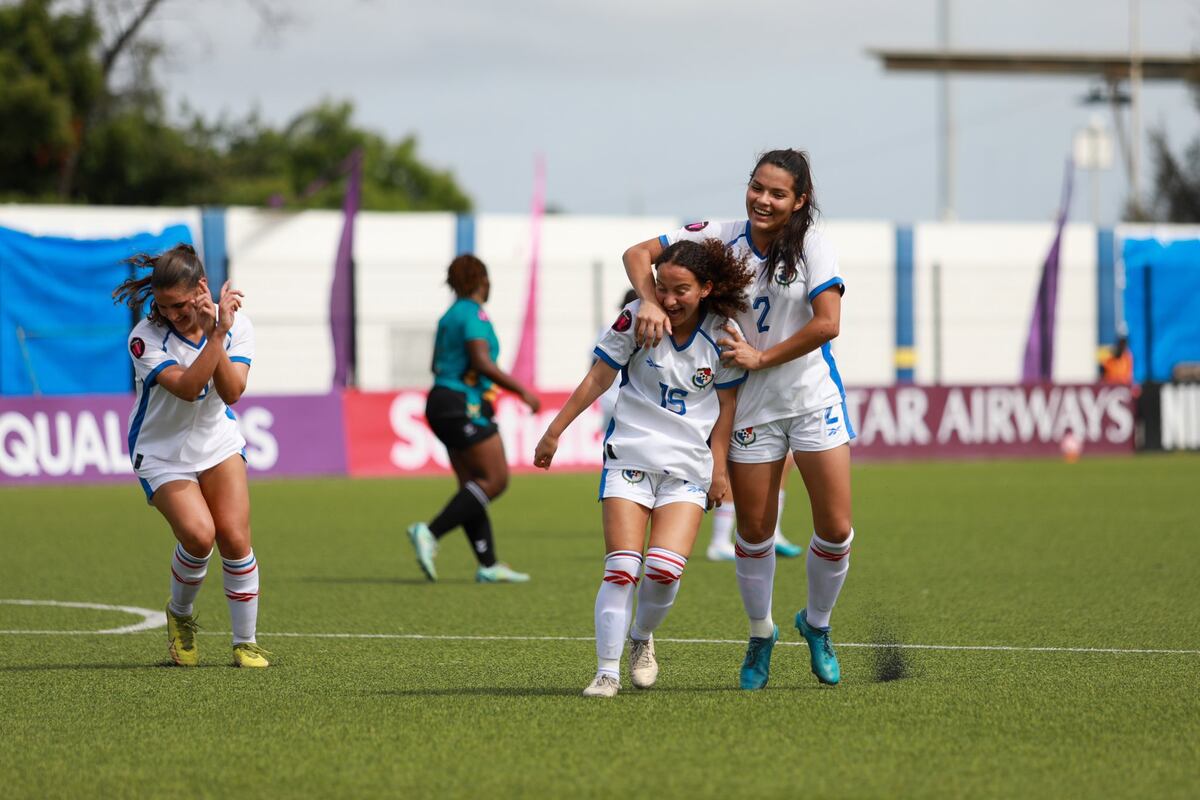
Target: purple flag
1039,346
341,295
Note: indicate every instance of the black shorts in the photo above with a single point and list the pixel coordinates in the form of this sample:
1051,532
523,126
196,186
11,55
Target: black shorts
449,418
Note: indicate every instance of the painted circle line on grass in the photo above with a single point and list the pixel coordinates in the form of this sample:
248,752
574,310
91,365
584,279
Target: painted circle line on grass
151,618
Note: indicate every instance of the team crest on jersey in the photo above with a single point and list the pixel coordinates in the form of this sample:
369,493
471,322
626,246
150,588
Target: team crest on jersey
623,322
137,347
781,276
745,437
703,377
633,475
695,226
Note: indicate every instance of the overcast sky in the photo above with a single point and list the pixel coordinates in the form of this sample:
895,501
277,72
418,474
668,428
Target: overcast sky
660,106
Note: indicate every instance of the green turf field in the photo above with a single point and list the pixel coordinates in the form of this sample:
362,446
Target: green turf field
1101,554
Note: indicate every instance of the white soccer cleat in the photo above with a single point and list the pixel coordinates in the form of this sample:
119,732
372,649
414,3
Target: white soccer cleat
643,669
603,685
720,553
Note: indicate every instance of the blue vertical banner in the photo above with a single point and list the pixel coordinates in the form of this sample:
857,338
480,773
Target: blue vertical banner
464,234
1106,289
1162,305
906,353
212,240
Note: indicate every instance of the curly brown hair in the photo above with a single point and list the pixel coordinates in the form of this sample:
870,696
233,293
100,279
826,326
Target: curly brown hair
711,260
179,266
466,274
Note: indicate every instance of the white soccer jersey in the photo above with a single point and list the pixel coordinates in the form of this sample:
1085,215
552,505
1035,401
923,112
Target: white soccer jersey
803,385
197,434
668,404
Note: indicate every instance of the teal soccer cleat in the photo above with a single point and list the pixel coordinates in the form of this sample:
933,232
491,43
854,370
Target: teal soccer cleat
425,544
756,668
786,549
824,660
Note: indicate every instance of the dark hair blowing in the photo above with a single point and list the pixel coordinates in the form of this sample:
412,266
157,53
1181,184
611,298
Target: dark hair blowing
466,274
179,266
711,260
787,250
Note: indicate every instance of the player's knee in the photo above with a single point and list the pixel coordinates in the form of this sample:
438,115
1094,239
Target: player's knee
494,485
835,531
197,539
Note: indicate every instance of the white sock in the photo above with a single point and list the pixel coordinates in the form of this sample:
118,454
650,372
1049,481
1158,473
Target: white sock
614,606
656,592
756,579
722,527
187,573
827,566
241,589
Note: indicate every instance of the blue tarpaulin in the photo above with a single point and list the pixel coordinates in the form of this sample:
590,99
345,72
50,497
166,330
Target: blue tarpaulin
1164,324
60,332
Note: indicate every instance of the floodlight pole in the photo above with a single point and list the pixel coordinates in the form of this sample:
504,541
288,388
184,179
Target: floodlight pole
1135,106
946,111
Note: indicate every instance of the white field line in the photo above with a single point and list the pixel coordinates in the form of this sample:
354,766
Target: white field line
149,624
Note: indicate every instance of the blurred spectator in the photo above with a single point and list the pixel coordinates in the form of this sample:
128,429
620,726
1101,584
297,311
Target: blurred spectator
1118,367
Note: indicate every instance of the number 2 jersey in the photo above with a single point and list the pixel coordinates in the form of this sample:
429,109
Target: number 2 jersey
777,311
667,404
196,434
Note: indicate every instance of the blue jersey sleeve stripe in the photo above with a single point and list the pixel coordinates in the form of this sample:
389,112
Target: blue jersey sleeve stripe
731,384
607,359
152,378
827,285
240,360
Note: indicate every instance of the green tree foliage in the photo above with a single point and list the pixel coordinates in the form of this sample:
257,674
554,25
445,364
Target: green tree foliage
67,135
1176,181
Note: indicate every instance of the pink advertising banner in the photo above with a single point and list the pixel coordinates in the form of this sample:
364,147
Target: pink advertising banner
83,439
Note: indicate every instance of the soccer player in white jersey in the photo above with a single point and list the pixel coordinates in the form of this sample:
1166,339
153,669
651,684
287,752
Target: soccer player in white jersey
792,402
191,358
658,466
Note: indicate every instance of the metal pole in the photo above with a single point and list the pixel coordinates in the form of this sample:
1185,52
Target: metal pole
946,113
937,323
1135,104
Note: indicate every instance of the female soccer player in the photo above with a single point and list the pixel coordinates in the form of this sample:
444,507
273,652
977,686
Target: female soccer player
191,358
793,400
459,410
658,467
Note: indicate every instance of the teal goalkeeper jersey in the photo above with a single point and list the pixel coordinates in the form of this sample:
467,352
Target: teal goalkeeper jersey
464,321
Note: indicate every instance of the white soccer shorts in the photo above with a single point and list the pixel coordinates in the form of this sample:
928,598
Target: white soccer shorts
650,489
808,433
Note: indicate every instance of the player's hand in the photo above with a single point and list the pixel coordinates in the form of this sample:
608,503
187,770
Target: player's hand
543,454
227,308
736,351
532,400
718,489
206,310
651,326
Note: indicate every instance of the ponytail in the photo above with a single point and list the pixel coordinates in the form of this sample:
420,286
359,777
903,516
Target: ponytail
178,266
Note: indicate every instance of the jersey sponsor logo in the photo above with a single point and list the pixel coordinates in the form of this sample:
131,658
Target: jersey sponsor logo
624,321
633,475
651,363
745,437
137,347
695,226
703,377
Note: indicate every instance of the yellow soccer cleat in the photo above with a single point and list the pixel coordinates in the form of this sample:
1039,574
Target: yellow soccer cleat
249,654
181,638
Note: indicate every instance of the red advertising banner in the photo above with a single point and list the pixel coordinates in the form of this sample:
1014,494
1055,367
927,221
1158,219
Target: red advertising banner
897,422
386,434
